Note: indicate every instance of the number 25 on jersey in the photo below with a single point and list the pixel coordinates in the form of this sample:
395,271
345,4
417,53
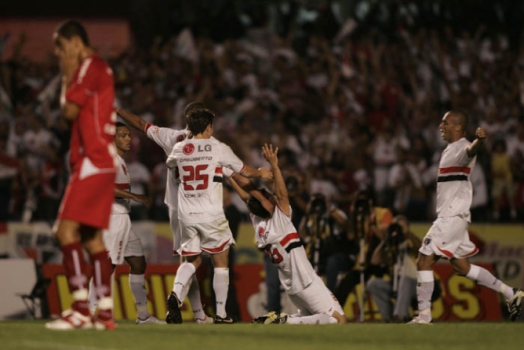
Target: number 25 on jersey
193,173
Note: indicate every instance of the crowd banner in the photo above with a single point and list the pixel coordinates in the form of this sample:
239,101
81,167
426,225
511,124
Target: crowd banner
462,299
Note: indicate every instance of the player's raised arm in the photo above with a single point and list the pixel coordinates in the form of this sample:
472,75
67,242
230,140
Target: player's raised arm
131,119
238,189
271,156
475,146
251,172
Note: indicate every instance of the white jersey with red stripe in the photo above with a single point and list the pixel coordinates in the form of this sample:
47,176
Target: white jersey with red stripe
167,138
123,182
200,163
454,190
278,237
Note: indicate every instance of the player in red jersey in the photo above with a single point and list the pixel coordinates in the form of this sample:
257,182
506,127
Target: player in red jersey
87,103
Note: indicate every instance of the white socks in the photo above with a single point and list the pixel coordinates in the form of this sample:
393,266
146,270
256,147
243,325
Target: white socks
312,319
425,285
221,287
182,278
138,287
195,300
485,278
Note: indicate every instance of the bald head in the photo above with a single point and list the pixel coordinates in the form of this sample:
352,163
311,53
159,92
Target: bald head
460,118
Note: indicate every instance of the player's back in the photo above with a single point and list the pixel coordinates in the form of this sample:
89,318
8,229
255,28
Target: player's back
92,88
200,163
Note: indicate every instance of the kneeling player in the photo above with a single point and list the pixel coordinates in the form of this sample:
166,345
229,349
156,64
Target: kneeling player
120,240
276,235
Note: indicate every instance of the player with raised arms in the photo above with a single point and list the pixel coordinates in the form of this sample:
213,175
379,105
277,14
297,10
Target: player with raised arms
277,237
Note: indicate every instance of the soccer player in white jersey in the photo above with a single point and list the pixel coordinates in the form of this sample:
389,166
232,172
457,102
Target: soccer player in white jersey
276,235
120,240
448,236
203,224
166,138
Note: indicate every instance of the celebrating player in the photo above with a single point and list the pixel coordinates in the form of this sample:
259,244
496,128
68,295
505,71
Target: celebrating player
120,240
203,224
167,138
448,236
276,235
87,102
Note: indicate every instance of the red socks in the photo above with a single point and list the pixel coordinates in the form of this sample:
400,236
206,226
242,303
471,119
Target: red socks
102,270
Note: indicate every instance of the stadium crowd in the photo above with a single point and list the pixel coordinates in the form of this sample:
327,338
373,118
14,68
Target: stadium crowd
349,103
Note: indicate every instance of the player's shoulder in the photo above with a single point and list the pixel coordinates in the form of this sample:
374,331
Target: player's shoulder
97,64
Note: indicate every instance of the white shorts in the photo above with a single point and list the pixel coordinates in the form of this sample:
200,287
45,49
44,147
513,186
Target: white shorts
175,229
448,237
212,237
316,299
120,240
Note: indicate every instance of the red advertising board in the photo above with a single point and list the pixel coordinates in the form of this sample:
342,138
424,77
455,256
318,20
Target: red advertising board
462,299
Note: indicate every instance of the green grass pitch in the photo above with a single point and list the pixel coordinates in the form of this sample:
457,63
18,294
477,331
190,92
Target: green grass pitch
128,336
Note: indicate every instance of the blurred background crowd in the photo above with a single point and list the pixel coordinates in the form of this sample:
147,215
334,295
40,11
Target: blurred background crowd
352,93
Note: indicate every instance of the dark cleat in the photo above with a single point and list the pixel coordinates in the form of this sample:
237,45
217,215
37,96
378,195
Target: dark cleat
173,307
225,320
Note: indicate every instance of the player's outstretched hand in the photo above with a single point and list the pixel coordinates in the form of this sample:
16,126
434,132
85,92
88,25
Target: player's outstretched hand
270,154
481,133
140,198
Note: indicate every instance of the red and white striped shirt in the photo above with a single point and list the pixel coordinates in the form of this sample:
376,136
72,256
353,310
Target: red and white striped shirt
454,191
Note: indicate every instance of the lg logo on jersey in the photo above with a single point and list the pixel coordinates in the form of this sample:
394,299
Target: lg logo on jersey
190,148
206,148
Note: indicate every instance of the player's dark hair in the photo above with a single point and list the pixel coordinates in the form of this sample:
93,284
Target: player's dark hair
461,117
193,106
199,120
119,124
70,28
256,208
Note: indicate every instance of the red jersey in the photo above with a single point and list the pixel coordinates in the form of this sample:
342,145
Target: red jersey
92,135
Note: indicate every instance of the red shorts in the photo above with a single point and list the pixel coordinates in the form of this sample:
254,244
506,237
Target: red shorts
89,200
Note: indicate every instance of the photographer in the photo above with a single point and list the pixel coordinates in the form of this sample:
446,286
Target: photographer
397,253
368,226
329,247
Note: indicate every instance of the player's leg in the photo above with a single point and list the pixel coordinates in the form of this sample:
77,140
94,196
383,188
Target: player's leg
93,300
102,270
221,282
380,290
425,286
216,240
192,290
317,305
115,239
483,277
67,234
486,279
